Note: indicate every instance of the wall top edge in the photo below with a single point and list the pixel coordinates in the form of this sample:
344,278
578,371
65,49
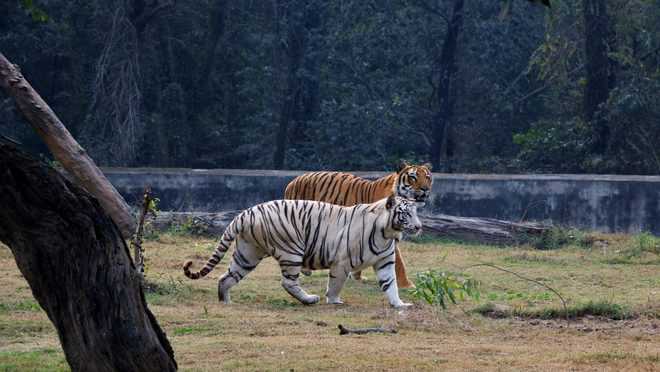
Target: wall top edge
436,176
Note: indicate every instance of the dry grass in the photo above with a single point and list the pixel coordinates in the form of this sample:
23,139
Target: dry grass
265,329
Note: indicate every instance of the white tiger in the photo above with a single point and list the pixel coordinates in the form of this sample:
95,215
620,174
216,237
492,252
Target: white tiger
314,235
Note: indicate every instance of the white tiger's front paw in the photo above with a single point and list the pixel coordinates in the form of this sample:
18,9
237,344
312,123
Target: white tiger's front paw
310,300
334,300
401,305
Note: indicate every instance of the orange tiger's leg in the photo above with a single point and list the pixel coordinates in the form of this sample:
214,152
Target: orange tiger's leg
400,268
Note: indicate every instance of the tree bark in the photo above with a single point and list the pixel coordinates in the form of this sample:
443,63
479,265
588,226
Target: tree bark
216,30
597,88
294,56
64,147
79,270
442,149
482,230
468,229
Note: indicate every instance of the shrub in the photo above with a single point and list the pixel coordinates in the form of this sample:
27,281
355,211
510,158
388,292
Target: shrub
439,288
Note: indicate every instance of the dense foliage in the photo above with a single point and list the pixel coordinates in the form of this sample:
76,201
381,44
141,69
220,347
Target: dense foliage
471,85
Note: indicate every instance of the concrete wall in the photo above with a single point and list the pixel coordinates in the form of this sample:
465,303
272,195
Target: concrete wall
603,203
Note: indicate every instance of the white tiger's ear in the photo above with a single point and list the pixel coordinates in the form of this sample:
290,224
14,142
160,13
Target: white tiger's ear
391,200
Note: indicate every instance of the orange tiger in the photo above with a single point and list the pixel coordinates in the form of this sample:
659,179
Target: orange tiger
410,181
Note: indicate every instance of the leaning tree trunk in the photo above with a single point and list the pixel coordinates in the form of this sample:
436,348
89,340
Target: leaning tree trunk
63,146
79,269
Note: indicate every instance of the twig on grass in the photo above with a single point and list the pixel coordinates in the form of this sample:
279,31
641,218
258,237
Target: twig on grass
361,331
563,302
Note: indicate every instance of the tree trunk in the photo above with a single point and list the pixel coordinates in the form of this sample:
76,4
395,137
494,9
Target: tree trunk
310,91
79,270
442,149
597,89
64,147
215,31
291,97
468,229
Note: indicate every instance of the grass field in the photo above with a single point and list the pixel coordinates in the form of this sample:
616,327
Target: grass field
265,329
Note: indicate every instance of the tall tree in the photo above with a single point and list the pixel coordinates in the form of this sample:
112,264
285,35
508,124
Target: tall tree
292,57
598,69
215,31
442,149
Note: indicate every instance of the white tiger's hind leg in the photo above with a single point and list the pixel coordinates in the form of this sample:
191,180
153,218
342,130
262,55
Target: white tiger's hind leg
387,281
245,259
290,283
336,280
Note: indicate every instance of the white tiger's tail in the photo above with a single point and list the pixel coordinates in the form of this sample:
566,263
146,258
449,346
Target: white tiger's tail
227,238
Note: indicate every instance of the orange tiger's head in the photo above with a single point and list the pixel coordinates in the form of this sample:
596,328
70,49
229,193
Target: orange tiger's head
414,181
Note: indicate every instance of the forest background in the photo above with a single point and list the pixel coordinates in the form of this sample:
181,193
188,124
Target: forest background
478,86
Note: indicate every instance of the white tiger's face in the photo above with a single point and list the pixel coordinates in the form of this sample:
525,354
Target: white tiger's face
404,215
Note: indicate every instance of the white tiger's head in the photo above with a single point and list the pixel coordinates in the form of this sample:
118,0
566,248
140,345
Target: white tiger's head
404,215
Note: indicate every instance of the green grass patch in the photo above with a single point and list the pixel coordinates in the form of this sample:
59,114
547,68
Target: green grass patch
557,237
189,227
512,295
170,291
640,249
10,329
38,360
26,305
612,356
281,303
603,309
203,329
436,240
645,243
525,258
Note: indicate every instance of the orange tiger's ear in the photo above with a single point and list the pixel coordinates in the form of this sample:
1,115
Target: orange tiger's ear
429,166
390,201
402,165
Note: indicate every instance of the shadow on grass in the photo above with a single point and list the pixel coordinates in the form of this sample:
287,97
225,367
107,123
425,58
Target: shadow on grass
602,309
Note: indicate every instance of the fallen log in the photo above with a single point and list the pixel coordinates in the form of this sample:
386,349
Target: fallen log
468,229
482,230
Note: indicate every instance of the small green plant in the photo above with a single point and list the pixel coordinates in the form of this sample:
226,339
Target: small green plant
190,227
166,289
640,249
557,237
439,288
645,243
